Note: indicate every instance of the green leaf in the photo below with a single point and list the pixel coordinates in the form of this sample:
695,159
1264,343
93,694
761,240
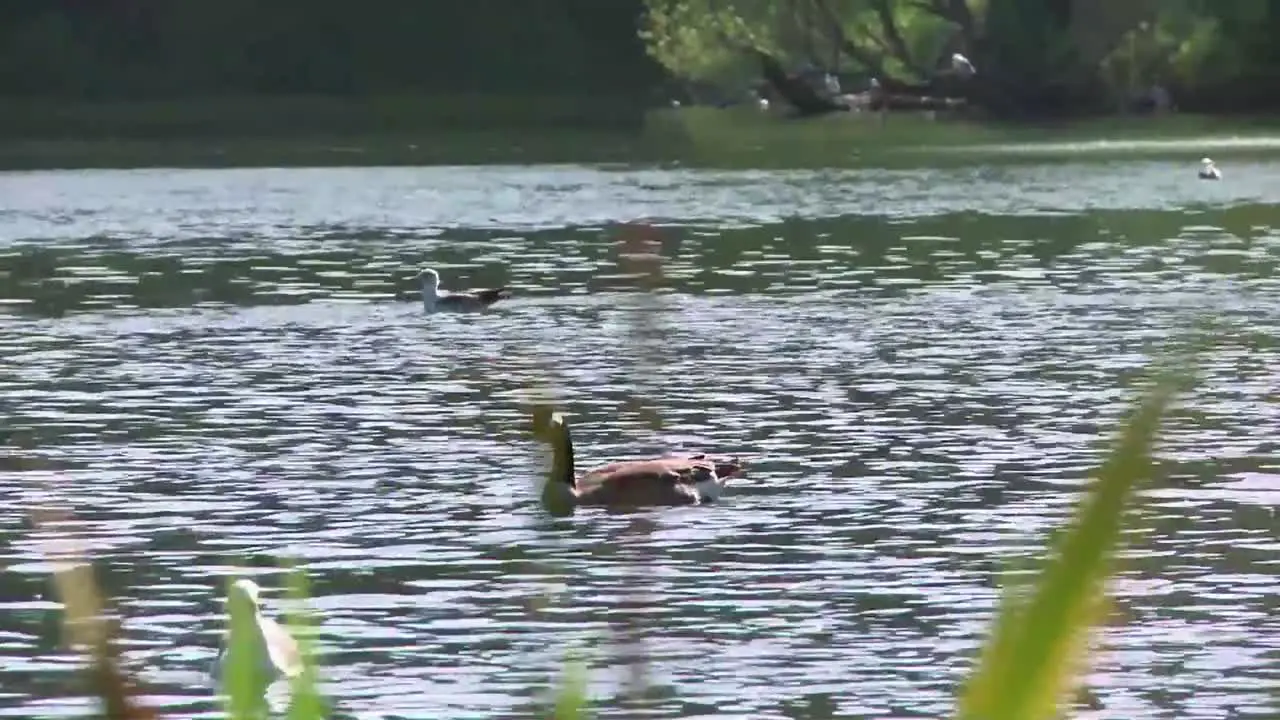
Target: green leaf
1036,646
571,698
242,682
306,702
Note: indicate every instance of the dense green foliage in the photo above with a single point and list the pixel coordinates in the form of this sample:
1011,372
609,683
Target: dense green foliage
584,63
1045,57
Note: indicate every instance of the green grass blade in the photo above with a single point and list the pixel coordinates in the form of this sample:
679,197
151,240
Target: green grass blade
1036,645
243,686
306,702
571,698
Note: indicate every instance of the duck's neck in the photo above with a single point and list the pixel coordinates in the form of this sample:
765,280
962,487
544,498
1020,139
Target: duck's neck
563,471
557,491
430,292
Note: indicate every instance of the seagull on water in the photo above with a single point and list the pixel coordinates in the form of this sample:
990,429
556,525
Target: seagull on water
271,650
1209,171
434,299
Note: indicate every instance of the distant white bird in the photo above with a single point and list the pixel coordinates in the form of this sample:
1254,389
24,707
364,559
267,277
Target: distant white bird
762,103
434,299
1209,171
270,649
962,66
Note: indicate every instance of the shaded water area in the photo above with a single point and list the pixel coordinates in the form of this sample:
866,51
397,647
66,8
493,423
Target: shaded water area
229,367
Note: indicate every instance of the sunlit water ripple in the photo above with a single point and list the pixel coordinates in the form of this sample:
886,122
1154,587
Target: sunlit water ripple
223,368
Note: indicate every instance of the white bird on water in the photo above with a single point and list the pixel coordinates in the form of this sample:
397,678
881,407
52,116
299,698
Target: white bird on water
270,648
1209,171
961,65
434,299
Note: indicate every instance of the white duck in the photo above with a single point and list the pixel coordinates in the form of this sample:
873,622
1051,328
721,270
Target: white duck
434,299
269,646
1209,171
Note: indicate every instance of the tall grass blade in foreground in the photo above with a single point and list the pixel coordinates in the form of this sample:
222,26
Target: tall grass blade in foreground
640,256
571,697
245,681
1037,645
84,626
243,692
306,702
244,687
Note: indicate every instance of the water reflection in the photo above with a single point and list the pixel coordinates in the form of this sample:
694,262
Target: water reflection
226,368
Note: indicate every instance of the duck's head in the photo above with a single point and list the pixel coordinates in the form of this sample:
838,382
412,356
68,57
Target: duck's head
548,425
430,279
552,428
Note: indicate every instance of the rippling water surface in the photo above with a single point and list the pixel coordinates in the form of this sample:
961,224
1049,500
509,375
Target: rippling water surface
227,368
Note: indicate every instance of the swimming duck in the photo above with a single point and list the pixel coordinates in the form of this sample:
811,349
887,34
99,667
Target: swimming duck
664,481
434,299
270,647
1209,171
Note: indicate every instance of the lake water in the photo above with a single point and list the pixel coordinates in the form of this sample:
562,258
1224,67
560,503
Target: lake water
221,369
